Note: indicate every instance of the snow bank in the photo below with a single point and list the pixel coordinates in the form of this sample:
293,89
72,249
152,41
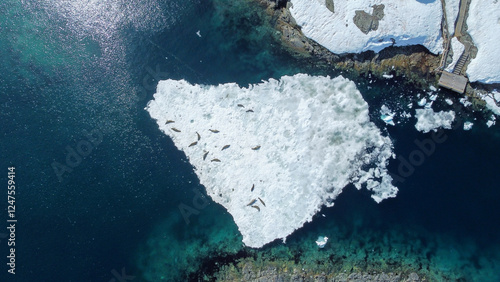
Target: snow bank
294,145
458,48
407,22
492,102
452,7
428,120
484,27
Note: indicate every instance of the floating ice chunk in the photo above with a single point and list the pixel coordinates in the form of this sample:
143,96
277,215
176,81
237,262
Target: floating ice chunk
432,88
433,97
428,120
490,122
198,33
468,125
410,105
388,76
428,105
386,115
448,101
321,242
313,135
422,102
464,101
406,115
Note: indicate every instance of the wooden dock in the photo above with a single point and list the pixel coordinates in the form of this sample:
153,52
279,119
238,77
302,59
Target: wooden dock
452,81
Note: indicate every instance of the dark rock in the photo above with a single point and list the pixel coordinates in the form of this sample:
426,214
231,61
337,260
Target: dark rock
330,6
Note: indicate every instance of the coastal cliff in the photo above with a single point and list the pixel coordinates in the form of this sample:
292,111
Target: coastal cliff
415,63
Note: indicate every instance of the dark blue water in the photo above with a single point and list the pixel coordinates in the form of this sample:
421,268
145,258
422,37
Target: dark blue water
70,69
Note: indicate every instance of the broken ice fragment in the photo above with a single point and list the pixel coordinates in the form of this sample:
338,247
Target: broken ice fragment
321,242
468,125
422,102
386,115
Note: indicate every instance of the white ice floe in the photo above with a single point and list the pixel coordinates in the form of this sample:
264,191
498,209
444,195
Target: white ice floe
422,102
321,242
464,101
491,121
448,101
408,22
198,33
458,48
297,141
386,115
483,25
468,125
406,115
388,76
428,120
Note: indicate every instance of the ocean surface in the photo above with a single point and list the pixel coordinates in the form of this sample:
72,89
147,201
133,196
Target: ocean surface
98,186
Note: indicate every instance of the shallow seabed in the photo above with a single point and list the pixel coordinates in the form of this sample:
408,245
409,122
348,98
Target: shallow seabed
79,67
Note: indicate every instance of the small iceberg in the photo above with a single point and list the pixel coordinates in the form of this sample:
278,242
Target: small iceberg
387,76
198,33
422,102
386,115
468,125
491,121
321,242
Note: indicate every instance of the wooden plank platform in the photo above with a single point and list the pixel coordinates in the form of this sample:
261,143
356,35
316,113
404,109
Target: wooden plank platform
452,81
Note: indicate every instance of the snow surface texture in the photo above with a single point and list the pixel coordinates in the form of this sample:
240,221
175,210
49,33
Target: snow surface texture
484,26
493,102
452,7
407,22
428,119
458,48
313,136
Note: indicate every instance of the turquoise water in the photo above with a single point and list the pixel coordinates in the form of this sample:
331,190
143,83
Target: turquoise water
74,67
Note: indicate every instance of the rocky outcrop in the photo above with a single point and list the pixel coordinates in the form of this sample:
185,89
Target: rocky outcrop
329,5
414,62
366,22
249,270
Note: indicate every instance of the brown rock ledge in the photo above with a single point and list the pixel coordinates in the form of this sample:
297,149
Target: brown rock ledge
414,62
272,271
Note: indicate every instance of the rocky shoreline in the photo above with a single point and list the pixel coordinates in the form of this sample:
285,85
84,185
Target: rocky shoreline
420,68
415,63
272,271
